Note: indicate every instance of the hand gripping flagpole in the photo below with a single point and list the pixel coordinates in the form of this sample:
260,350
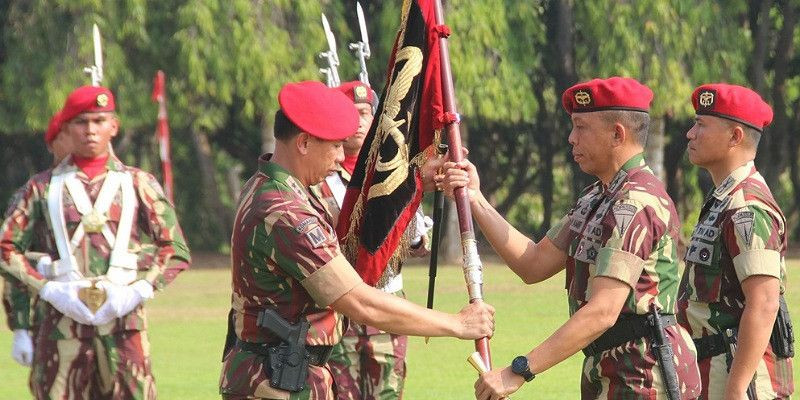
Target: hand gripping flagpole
473,269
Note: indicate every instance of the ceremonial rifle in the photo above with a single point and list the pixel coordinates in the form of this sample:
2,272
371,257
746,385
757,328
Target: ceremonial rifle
473,270
362,48
162,132
96,71
331,56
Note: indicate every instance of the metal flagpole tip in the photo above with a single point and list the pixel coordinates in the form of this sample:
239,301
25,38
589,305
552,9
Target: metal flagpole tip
476,361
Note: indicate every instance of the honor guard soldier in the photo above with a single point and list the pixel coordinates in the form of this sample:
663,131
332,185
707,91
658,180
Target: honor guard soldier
619,247
17,301
291,283
368,363
730,298
116,240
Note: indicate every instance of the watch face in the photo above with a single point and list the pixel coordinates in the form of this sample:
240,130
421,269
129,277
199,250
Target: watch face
519,365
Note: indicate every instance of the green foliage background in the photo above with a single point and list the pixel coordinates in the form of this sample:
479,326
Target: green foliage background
225,61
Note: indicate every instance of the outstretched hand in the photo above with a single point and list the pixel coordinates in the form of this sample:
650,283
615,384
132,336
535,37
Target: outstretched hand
457,175
477,321
497,384
433,167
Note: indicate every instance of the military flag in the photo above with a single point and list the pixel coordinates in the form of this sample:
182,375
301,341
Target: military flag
386,187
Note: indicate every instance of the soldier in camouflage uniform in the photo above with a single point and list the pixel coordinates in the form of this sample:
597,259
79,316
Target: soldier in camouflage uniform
735,261
368,363
286,258
619,246
17,301
111,224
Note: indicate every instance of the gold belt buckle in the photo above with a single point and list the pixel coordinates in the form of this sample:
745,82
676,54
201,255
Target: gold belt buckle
93,296
94,221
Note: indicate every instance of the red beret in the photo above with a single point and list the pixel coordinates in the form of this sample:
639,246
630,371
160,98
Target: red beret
732,102
359,92
607,94
87,99
53,128
318,110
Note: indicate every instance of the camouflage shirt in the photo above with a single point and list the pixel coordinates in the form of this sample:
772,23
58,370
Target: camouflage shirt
156,238
16,296
741,232
283,252
282,247
626,231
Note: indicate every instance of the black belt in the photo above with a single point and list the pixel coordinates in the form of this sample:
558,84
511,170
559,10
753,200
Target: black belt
628,327
712,345
318,355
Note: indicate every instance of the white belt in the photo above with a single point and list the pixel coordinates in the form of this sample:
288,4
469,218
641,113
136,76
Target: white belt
122,264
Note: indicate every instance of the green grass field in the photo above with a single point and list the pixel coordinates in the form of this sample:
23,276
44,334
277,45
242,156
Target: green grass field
187,328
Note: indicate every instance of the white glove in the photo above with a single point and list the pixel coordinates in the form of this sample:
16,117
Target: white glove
424,223
121,300
64,297
22,348
44,265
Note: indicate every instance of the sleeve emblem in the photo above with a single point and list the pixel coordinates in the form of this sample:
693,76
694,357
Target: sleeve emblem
623,214
743,222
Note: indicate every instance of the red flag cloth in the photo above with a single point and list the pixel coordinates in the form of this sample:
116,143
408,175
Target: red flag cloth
386,188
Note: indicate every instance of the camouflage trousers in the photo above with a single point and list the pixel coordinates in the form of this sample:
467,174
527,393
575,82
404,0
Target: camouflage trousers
773,378
115,366
244,377
369,364
631,371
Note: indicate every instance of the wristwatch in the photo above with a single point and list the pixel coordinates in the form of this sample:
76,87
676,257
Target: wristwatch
520,367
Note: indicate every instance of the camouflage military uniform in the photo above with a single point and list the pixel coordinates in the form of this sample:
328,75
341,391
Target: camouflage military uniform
368,363
72,360
627,231
17,301
282,247
741,233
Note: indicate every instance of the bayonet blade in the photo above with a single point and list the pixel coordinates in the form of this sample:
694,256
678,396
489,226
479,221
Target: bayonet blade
331,39
98,53
362,24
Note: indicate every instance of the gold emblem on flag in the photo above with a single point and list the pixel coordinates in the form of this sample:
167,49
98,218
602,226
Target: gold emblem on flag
94,221
583,97
93,296
706,99
102,100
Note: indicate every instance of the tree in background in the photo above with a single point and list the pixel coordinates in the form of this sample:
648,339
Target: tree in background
226,59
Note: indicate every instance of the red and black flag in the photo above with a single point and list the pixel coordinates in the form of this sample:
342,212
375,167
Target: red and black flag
386,188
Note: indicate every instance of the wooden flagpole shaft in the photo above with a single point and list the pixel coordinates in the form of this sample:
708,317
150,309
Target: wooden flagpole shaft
472,265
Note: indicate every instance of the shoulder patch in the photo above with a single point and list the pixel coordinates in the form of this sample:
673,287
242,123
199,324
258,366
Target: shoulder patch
743,222
312,230
306,224
623,214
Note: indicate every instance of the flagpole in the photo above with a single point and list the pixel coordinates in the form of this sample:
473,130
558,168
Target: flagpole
473,273
162,132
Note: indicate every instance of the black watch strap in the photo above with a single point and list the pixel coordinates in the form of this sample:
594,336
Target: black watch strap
520,367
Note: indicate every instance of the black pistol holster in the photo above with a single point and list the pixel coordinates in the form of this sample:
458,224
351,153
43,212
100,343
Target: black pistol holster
285,363
782,338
